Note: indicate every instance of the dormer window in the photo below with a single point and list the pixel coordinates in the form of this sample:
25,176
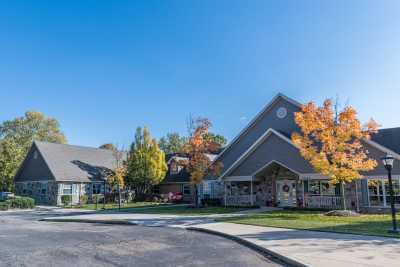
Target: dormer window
175,168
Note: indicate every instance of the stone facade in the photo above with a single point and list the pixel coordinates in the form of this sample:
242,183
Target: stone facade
44,192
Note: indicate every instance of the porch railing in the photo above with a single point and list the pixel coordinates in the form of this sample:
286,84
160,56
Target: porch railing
238,200
325,202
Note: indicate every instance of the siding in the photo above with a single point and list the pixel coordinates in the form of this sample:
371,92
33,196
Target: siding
34,169
267,120
273,148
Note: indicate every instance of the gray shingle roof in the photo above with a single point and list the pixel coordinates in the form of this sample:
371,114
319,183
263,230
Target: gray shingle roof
70,163
389,138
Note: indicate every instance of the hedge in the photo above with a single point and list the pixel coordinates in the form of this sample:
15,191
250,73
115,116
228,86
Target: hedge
18,203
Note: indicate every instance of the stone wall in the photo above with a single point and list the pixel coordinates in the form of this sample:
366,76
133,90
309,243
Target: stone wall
44,192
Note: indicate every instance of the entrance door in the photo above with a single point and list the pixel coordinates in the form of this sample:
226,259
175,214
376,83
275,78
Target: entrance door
286,193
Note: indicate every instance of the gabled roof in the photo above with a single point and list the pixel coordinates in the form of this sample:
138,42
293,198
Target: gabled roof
256,144
389,138
70,163
254,120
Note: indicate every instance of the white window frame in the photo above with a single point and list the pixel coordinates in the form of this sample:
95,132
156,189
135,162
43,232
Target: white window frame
384,193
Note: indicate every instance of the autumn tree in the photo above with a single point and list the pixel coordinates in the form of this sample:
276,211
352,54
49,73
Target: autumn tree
16,137
332,141
197,148
146,164
172,143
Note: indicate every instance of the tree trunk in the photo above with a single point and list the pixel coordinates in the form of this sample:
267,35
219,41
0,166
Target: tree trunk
196,200
342,193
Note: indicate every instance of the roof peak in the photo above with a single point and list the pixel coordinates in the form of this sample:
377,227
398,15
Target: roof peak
69,145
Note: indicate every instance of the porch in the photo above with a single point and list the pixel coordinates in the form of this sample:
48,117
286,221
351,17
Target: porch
278,186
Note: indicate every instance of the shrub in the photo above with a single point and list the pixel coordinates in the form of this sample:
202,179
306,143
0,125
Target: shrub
21,203
83,199
4,205
66,199
211,202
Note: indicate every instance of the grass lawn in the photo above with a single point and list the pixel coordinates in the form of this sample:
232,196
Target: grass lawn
314,220
185,210
113,206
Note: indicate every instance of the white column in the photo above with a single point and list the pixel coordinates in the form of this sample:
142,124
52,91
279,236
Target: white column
383,192
225,193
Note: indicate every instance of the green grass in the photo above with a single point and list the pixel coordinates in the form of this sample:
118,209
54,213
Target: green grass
315,220
114,206
186,210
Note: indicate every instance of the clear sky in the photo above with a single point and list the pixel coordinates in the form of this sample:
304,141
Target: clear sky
104,67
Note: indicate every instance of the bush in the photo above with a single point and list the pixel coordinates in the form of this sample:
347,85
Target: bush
4,205
21,203
83,199
210,202
66,199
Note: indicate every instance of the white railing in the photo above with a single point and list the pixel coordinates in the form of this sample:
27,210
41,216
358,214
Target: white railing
239,200
326,202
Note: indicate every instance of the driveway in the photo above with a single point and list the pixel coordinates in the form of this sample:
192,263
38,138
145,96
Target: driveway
26,241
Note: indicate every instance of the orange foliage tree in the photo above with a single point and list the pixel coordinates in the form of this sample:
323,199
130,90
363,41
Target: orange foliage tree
197,148
331,140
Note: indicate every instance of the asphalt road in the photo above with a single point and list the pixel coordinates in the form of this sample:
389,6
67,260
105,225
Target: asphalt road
25,241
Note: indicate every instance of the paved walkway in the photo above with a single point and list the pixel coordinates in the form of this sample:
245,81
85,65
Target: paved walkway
306,247
317,248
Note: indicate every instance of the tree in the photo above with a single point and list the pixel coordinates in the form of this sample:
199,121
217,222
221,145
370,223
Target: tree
108,146
11,156
172,143
198,146
117,177
16,137
146,164
216,138
332,141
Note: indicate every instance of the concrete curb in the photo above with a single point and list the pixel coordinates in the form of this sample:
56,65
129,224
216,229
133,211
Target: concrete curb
118,222
262,250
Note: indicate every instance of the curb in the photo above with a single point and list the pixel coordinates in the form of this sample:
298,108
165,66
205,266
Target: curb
259,249
118,222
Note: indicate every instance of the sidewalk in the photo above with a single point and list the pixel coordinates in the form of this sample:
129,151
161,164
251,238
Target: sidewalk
316,248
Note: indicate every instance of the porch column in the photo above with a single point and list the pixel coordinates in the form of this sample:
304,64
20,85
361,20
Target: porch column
225,193
251,191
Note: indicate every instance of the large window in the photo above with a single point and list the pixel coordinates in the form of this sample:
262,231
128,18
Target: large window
379,194
319,188
67,189
186,189
96,189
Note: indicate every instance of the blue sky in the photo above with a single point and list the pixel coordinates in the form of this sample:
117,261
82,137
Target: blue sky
102,68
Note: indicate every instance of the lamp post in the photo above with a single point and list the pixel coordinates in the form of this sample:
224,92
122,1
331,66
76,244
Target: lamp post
388,163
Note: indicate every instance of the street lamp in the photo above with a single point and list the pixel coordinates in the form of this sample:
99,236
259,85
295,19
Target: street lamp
388,163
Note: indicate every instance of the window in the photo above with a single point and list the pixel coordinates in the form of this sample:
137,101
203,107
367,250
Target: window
175,168
379,194
186,189
35,155
67,189
318,188
96,189
156,190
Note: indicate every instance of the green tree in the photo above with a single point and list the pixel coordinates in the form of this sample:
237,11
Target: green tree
216,138
146,164
16,137
172,143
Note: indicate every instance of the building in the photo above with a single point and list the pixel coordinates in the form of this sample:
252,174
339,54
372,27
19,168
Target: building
177,180
262,166
50,171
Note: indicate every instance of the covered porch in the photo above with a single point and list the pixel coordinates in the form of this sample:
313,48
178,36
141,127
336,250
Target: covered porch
276,185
